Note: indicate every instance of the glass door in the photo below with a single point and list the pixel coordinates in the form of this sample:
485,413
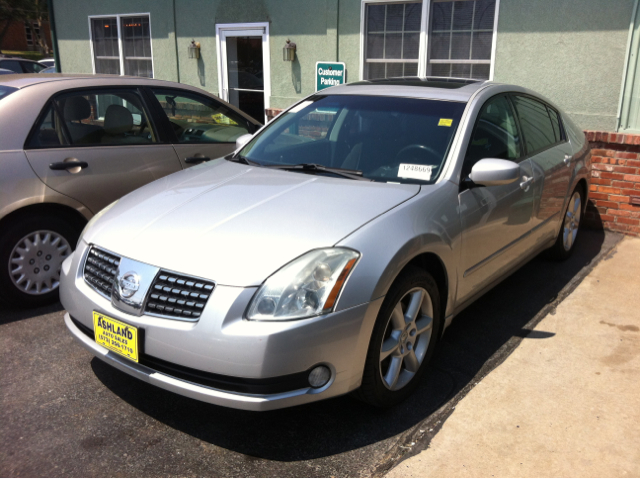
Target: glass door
243,70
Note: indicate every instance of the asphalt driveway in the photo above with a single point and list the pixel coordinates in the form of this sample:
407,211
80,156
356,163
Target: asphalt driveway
65,413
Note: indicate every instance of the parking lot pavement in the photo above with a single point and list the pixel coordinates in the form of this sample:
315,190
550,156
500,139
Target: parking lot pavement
566,403
65,413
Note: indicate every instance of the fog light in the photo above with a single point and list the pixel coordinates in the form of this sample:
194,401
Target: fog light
319,376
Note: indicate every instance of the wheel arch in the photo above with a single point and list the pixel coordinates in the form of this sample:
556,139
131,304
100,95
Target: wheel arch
49,209
433,264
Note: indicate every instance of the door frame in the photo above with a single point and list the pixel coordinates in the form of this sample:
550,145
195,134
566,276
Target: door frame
222,57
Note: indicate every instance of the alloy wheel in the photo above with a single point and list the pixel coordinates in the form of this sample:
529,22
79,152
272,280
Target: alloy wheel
406,339
572,221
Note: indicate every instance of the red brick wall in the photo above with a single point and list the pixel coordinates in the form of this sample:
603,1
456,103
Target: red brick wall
614,199
16,38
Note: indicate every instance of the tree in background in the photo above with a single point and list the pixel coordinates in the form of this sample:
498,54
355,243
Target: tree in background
28,11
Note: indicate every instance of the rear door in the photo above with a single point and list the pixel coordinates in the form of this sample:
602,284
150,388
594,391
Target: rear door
550,153
97,145
202,128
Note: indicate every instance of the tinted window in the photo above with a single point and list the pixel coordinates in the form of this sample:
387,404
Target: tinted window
555,122
197,119
12,65
399,140
32,67
108,117
536,125
49,132
495,134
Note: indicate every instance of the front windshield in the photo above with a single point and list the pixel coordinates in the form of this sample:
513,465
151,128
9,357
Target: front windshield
397,140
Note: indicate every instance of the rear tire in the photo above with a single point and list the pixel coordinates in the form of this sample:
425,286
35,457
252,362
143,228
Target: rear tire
32,250
568,234
403,340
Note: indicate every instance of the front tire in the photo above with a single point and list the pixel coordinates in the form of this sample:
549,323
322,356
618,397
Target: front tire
403,340
566,240
31,254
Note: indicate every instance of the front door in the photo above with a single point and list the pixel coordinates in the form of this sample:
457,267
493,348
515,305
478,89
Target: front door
495,220
244,66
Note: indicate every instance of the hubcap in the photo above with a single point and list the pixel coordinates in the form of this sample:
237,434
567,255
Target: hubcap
406,339
35,262
572,221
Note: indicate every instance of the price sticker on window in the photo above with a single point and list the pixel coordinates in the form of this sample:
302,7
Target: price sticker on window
445,122
416,172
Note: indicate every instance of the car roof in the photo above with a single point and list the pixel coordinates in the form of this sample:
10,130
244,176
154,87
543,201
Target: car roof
451,89
25,80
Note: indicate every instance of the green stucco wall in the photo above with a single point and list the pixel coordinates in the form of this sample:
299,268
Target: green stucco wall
72,27
312,24
571,51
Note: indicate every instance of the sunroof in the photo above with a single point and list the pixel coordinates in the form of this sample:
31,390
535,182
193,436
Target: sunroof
429,82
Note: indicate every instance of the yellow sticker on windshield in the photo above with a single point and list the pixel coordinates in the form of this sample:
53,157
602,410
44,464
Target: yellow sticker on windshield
445,122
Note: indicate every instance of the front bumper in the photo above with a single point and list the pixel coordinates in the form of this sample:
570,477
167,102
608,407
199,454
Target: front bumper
221,342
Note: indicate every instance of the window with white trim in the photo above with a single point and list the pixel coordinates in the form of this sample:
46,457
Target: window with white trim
457,35
122,45
460,38
392,39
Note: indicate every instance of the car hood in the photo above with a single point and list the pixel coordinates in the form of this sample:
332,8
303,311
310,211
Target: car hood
237,224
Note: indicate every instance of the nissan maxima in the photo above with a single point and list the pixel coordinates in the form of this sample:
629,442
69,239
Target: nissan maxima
330,251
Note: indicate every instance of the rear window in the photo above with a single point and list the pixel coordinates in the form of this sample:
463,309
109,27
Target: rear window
6,91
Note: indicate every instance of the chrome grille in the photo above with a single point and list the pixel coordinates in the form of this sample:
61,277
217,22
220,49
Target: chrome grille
178,296
100,271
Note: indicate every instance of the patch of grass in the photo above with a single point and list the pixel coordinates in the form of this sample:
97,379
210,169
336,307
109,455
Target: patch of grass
28,55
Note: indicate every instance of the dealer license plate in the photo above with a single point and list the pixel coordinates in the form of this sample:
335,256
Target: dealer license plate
117,336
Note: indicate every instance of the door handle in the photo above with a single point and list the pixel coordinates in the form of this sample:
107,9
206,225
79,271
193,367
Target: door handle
66,165
526,181
196,159
567,160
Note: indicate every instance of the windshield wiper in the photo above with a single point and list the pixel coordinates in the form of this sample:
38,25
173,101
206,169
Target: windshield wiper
314,167
242,159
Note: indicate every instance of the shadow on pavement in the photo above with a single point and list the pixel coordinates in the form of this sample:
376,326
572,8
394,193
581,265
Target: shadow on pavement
9,314
343,424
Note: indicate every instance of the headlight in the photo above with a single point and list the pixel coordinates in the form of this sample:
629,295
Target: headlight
308,286
93,220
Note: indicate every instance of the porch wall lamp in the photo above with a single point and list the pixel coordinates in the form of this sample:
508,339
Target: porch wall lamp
289,51
194,49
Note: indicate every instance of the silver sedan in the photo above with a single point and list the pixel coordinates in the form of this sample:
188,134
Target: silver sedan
328,254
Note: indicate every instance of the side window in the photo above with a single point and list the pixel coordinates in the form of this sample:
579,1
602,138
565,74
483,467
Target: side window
49,132
12,65
495,134
555,123
32,67
197,119
537,128
108,117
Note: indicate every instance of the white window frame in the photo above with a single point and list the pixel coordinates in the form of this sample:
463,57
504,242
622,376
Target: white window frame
424,35
118,16
221,53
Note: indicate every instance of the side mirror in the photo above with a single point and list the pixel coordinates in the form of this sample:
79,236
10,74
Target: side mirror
243,140
494,172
